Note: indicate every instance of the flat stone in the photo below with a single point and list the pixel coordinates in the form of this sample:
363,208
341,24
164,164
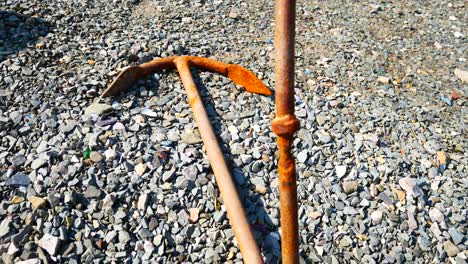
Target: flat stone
124,237
451,249
350,186
49,243
98,109
5,227
140,169
142,201
436,215
93,192
190,138
461,74
410,186
96,156
30,261
383,79
18,180
376,216
340,171
456,236
37,202
37,163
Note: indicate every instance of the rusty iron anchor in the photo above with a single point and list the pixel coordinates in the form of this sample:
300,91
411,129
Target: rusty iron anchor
240,76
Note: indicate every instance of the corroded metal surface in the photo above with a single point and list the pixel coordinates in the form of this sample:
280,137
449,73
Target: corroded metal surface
236,73
284,126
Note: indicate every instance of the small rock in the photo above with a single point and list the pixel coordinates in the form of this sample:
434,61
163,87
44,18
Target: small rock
194,212
456,236
190,138
37,202
451,249
16,200
315,215
461,74
98,109
436,215
49,243
302,156
340,171
149,113
424,243
190,172
324,138
30,261
92,192
110,154
5,227
350,186
96,157
124,236
140,169
37,163
410,186
376,216
18,180
142,201
348,210
383,79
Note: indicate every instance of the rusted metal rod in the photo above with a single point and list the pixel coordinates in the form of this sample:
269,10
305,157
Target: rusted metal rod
284,126
227,188
241,76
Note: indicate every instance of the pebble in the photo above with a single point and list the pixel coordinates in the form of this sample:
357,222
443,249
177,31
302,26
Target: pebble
110,154
5,227
49,243
93,192
37,202
18,180
96,157
142,201
350,186
436,215
37,163
140,169
340,170
456,236
98,109
451,249
461,74
410,186
376,216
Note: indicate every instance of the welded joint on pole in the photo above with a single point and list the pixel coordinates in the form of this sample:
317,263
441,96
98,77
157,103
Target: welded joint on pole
285,126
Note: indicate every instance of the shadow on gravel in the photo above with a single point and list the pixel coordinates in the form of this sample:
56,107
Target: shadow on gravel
18,31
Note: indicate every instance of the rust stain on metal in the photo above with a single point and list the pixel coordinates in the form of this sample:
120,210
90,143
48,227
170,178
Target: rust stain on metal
241,76
284,126
236,73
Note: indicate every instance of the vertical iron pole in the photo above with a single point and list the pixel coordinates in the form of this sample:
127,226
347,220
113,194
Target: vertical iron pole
284,126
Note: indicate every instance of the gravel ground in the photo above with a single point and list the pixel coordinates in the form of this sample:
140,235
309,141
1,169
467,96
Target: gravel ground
381,95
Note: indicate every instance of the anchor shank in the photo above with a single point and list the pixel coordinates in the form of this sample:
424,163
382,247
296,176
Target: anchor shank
231,200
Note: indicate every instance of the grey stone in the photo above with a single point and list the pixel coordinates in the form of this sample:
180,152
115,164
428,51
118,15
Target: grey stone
18,180
98,109
49,243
